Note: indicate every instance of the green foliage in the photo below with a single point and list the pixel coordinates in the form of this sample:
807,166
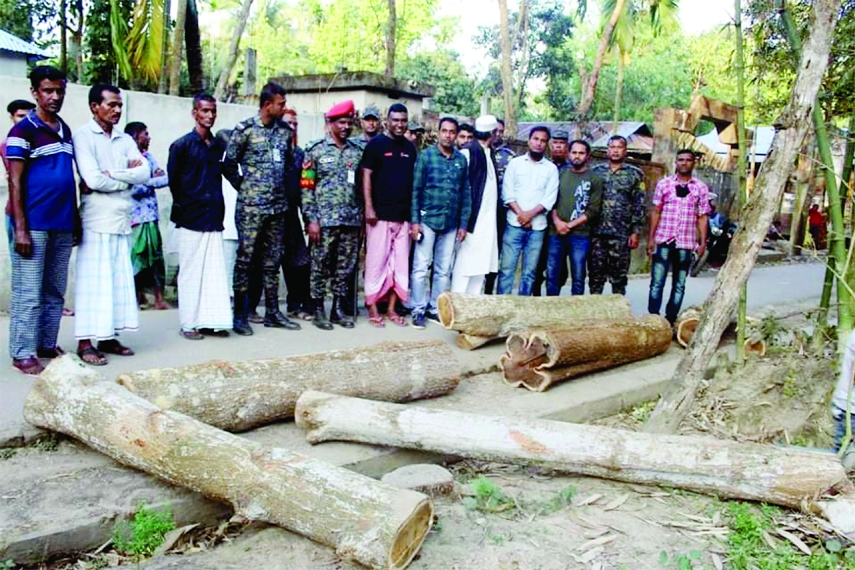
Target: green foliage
747,548
488,497
562,499
455,90
49,442
144,533
16,17
101,65
7,453
7,564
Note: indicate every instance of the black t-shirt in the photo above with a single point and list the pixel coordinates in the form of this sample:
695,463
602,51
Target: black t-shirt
391,162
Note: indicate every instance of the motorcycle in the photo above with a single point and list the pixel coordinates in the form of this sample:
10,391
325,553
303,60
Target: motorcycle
719,236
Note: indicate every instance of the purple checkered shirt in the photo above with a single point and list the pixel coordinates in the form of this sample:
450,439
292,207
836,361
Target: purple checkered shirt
678,221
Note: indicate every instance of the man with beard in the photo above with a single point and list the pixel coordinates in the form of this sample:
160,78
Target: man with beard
333,214
259,157
558,153
44,220
580,194
465,134
110,164
387,186
503,154
478,254
529,192
621,217
439,216
198,209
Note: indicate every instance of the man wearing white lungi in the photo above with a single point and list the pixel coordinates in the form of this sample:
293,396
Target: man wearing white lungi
198,208
478,254
109,162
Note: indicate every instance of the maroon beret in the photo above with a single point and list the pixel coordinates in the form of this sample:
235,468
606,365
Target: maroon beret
343,109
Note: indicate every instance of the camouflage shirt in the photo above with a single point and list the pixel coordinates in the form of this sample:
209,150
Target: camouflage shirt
334,201
622,210
258,163
504,154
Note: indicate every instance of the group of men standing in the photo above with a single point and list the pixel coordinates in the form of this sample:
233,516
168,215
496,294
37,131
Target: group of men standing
464,211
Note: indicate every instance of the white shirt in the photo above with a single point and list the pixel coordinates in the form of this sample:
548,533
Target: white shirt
107,209
844,382
529,183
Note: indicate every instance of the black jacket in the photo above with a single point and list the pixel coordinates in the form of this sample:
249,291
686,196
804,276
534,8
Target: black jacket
478,179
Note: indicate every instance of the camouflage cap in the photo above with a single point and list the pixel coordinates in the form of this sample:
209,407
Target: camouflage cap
371,111
415,127
560,135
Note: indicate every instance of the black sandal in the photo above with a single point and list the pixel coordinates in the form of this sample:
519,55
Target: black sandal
100,359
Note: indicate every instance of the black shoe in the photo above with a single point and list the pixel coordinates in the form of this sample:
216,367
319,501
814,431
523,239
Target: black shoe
338,317
320,319
242,327
418,321
432,316
275,319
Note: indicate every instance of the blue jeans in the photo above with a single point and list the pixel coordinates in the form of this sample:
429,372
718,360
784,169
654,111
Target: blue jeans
840,426
436,247
519,241
666,257
576,246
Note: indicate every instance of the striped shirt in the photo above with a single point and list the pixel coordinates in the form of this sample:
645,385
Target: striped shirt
48,182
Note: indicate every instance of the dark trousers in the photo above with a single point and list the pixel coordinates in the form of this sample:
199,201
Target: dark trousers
608,259
668,257
261,233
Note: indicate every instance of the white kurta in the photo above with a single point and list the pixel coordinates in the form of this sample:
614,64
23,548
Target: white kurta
478,254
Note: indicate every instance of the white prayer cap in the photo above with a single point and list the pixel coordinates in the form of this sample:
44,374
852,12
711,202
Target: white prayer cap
486,124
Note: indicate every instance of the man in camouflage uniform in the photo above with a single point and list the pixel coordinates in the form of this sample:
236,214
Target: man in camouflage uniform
333,214
503,154
370,124
259,157
621,218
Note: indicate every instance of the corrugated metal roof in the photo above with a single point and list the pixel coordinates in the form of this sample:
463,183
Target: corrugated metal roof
8,42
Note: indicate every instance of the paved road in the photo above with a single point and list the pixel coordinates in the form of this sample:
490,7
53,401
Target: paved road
158,343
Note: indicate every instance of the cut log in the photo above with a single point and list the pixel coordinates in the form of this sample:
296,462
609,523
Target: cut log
495,316
540,358
787,476
471,342
364,520
688,321
687,324
240,395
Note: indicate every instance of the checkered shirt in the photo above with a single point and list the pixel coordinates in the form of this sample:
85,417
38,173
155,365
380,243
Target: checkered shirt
678,221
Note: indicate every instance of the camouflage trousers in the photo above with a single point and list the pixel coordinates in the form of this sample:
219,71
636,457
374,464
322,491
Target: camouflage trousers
608,258
262,233
333,260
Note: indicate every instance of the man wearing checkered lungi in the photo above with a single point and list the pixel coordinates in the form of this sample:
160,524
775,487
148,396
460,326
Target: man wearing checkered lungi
42,196
110,164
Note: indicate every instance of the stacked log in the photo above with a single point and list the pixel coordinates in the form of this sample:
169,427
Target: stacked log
364,520
240,395
789,476
482,318
538,359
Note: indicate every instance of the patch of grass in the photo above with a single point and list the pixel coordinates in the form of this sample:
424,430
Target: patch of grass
747,548
642,411
144,533
48,443
488,498
7,453
561,499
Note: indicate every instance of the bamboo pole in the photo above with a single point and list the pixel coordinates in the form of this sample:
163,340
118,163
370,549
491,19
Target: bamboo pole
742,306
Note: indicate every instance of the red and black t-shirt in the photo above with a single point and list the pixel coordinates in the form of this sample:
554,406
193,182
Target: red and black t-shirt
391,162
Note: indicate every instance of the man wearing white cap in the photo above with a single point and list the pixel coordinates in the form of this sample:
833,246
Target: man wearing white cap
479,252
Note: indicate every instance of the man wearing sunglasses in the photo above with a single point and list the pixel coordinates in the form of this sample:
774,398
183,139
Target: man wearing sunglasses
678,229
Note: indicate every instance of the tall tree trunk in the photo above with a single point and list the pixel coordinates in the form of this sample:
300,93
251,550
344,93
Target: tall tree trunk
507,72
177,48
391,30
804,192
193,42
240,25
739,179
589,85
618,92
837,247
77,39
757,215
63,35
163,81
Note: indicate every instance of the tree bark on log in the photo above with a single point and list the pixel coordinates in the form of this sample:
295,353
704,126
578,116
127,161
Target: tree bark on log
790,477
540,358
237,396
494,316
688,321
364,520
756,218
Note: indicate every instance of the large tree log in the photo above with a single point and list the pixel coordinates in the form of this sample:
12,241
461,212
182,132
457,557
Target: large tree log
363,519
237,396
795,122
688,321
787,476
540,358
493,316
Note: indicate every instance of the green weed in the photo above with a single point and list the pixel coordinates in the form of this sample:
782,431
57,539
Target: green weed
642,411
144,533
7,453
7,564
488,497
563,498
49,442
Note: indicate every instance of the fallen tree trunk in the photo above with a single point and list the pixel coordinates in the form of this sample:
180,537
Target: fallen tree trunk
493,316
237,396
791,477
540,358
364,520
